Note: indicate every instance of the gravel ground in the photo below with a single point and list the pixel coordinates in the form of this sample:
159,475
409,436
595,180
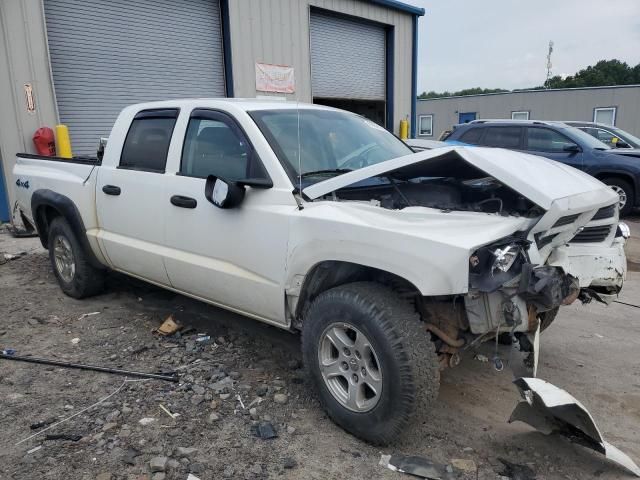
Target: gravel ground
589,351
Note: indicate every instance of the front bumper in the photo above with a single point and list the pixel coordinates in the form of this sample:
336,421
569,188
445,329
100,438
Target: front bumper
594,266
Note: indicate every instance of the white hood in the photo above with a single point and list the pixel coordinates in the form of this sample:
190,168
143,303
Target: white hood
540,180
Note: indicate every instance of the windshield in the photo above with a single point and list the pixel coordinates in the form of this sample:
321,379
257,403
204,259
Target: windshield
329,142
586,140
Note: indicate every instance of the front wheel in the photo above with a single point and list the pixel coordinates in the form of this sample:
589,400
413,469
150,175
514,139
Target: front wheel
371,357
624,191
75,274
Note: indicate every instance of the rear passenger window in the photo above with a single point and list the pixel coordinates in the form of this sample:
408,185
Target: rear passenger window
472,136
147,142
546,140
502,137
214,145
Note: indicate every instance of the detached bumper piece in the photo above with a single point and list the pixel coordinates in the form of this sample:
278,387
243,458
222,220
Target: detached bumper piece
550,409
547,287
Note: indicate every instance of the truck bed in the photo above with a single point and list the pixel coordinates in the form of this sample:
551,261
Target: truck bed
87,160
72,177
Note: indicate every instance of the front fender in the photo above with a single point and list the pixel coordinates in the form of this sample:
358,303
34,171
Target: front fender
426,247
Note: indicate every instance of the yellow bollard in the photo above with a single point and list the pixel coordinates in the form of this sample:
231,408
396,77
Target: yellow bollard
404,129
63,142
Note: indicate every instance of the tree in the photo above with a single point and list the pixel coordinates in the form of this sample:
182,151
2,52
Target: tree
603,73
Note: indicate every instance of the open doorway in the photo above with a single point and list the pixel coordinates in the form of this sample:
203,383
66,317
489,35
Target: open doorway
374,110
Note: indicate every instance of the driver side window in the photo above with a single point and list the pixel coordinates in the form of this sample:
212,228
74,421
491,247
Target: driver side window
546,140
214,145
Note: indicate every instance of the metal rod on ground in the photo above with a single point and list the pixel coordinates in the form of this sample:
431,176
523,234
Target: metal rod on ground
173,377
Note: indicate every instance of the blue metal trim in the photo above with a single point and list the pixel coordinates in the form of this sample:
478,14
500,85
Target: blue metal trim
390,62
4,197
226,47
403,7
414,80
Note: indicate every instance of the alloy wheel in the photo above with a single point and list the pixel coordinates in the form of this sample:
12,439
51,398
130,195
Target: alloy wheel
349,366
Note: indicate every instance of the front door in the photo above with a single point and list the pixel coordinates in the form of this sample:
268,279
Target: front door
129,195
551,144
466,117
234,257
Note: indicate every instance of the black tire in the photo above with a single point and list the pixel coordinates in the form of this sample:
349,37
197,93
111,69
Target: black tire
627,188
406,357
86,280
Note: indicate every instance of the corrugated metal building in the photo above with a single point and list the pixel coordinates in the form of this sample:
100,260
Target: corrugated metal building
617,105
79,63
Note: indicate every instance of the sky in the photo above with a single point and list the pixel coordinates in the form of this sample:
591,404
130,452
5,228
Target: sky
503,43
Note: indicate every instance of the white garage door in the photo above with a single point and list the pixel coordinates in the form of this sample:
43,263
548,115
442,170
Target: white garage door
347,58
106,54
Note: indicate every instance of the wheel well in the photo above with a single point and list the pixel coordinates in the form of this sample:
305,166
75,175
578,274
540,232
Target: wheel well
43,216
619,176
328,274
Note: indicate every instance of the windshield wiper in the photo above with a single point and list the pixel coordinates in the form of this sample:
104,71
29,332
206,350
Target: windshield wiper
337,171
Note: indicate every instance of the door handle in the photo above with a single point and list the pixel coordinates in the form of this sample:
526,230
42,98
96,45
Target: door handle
184,202
111,190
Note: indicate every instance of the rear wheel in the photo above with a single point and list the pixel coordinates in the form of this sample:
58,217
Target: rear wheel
371,358
75,274
624,191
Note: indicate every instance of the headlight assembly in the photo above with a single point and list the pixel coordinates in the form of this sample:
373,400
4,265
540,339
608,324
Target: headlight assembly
504,258
493,265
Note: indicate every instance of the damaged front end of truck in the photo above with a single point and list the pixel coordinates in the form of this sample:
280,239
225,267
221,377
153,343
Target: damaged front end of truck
566,243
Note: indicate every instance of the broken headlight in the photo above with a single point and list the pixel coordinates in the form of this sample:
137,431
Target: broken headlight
504,258
493,265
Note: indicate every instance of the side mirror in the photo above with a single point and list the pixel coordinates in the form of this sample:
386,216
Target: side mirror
573,148
223,194
622,144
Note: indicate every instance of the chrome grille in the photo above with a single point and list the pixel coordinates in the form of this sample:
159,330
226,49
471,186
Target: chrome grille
541,241
605,212
566,220
592,234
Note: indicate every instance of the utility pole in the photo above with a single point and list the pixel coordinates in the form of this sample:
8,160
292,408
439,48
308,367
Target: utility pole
549,65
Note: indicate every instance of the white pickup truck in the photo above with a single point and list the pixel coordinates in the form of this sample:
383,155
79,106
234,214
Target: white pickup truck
317,220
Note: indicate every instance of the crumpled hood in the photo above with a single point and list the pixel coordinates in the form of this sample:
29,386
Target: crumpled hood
540,180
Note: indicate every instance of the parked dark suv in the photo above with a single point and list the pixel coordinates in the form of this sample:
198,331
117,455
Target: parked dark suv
619,168
612,136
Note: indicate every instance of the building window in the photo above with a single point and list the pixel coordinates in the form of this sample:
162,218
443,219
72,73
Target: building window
520,115
425,125
606,116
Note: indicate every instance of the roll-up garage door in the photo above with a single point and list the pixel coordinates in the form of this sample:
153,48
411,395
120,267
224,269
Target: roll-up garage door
347,58
107,54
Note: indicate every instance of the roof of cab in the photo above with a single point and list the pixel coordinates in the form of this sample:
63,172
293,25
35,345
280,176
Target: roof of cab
246,104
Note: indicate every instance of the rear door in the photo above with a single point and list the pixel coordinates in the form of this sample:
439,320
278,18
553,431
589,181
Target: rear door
552,144
130,197
502,137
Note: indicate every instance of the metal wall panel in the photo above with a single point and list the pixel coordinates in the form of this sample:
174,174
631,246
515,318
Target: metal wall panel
23,60
560,104
107,54
347,58
277,31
